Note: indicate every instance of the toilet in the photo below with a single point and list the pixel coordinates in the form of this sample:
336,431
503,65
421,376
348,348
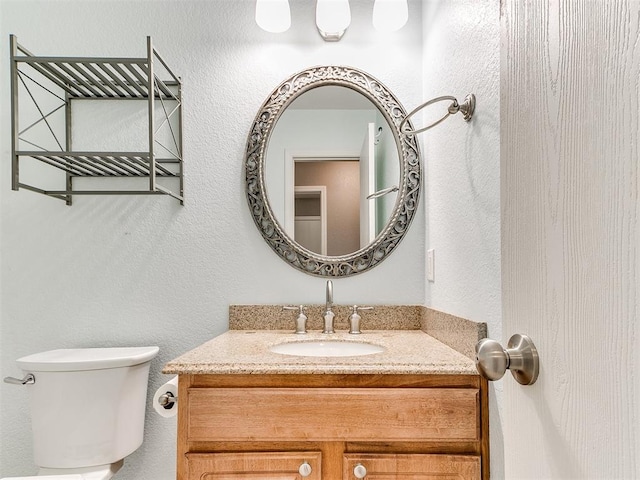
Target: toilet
87,409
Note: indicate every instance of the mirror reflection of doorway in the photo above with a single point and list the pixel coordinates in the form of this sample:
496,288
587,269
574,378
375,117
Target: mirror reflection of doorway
357,182
341,179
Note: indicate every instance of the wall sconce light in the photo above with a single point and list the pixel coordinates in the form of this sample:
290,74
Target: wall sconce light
332,18
390,15
273,15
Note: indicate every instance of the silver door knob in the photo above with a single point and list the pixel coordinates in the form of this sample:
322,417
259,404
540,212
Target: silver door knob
359,471
520,356
305,469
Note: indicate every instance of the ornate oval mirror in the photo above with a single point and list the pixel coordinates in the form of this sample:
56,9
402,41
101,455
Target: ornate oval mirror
331,183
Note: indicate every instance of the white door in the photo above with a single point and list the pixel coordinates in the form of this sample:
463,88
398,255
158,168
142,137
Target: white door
570,151
310,228
308,233
367,186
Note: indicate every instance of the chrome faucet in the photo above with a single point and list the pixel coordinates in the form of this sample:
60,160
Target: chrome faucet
328,313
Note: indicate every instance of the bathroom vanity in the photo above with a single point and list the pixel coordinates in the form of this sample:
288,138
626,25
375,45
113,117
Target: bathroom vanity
417,410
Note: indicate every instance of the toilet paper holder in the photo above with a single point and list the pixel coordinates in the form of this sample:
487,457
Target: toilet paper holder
167,400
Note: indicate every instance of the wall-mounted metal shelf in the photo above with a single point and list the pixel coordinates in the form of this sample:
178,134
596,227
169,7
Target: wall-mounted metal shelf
60,81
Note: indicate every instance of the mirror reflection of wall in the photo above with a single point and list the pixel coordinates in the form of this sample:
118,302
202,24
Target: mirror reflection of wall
386,172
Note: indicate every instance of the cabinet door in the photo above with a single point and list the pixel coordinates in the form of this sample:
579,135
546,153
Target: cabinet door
416,467
254,466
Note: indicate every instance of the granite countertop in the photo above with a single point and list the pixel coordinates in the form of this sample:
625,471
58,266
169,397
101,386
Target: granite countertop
247,352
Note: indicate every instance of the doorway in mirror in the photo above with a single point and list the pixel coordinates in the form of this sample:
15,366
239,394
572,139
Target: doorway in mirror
335,184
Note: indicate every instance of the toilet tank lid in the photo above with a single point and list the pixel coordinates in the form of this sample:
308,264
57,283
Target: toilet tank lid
71,476
76,359
45,477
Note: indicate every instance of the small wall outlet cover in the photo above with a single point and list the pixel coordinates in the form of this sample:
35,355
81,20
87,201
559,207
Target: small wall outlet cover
431,265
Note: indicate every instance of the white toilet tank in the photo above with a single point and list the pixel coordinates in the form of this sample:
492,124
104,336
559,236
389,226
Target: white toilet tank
87,404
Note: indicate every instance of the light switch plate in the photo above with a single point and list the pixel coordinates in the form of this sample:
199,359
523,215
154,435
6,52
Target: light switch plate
431,265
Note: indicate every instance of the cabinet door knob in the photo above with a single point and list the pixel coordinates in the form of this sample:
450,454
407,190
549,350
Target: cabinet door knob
520,356
305,469
359,471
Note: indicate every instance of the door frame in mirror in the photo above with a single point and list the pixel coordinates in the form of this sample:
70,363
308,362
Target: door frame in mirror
254,163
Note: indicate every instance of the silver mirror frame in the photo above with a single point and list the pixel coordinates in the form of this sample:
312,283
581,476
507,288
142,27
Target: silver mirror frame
410,173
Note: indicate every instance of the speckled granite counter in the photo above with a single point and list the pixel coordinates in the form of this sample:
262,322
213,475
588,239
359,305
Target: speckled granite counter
247,352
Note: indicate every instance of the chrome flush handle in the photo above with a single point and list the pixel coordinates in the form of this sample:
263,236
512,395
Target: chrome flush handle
28,379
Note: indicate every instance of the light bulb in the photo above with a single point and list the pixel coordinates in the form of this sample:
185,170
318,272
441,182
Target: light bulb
273,15
332,18
390,15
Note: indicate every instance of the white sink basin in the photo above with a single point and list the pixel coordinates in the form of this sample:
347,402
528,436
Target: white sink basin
329,348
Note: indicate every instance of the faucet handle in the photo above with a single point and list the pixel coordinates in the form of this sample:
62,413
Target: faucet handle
301,321
358,307
354,319
300,308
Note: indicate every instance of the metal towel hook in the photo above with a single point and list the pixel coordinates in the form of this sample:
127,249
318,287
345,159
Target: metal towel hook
383,192
466,108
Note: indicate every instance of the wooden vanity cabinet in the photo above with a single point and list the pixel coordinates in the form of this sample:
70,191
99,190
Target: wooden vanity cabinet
394,426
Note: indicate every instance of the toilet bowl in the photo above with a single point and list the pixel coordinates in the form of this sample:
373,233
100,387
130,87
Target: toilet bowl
87,410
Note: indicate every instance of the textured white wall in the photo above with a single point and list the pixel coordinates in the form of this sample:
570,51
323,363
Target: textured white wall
461,44
144,270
